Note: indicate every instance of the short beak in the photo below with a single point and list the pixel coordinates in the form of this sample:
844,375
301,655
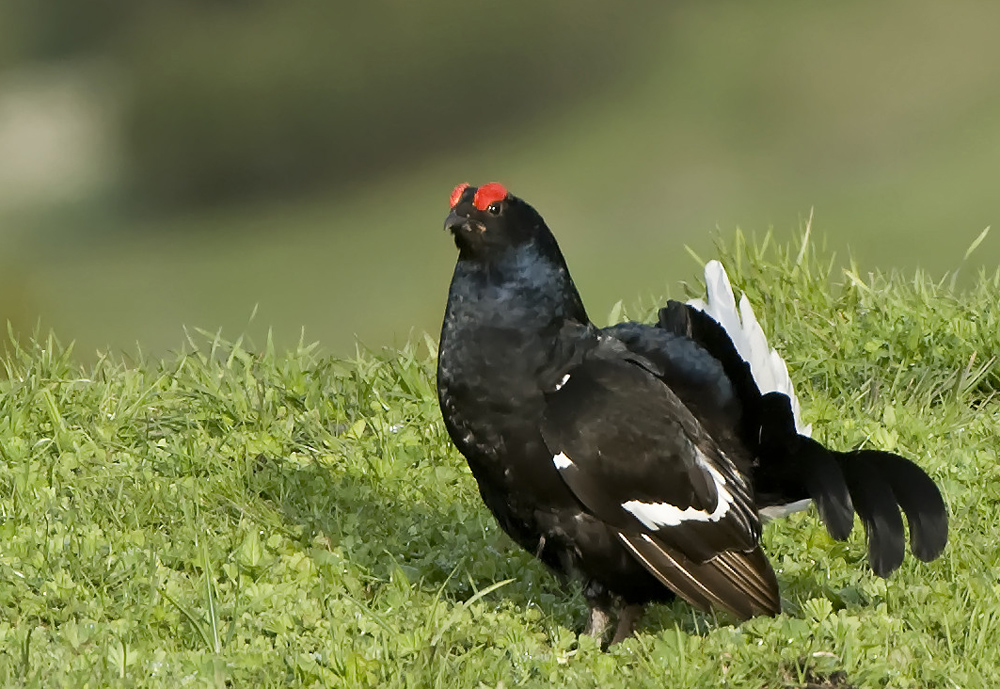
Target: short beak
454,222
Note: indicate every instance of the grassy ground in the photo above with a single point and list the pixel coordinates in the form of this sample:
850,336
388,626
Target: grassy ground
236,516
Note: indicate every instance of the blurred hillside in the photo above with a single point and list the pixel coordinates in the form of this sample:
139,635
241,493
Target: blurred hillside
177,164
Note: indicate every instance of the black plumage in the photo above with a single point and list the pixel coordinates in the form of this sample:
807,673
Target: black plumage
639,459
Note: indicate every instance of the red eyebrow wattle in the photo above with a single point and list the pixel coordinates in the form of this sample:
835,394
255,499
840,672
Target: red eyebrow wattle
487,194
456,193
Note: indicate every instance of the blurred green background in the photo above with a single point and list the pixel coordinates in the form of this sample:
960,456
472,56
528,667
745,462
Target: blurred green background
195,163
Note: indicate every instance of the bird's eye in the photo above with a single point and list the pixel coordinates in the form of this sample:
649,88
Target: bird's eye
493,208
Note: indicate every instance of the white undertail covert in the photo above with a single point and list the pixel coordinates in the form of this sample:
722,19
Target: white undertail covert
766,365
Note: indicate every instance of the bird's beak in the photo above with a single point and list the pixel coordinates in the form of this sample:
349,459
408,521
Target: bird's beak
454,222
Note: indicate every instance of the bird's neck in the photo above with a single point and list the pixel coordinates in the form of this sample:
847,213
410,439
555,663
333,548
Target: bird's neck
504,320
521,288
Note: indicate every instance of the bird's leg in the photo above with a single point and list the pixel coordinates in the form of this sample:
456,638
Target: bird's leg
598,620
601,604
628,618
541,547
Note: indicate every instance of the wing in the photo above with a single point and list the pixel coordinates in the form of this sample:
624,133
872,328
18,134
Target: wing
702,380
639,461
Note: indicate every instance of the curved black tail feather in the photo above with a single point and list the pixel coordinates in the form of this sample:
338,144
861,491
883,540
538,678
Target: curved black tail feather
828,487
912,490
876,504
874,484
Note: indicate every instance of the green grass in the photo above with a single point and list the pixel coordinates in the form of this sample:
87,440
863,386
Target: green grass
232,515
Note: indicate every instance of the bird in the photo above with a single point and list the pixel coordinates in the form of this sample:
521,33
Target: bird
641,460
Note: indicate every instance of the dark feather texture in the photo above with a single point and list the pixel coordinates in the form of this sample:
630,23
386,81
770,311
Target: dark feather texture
638,459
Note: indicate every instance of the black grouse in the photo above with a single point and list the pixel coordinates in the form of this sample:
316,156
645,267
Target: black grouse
641,459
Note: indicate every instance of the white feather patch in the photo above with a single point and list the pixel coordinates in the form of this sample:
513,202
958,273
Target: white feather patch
656,514
766,365
562,461
559,385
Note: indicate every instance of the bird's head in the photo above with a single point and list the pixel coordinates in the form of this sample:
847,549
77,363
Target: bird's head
500,235
488,220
